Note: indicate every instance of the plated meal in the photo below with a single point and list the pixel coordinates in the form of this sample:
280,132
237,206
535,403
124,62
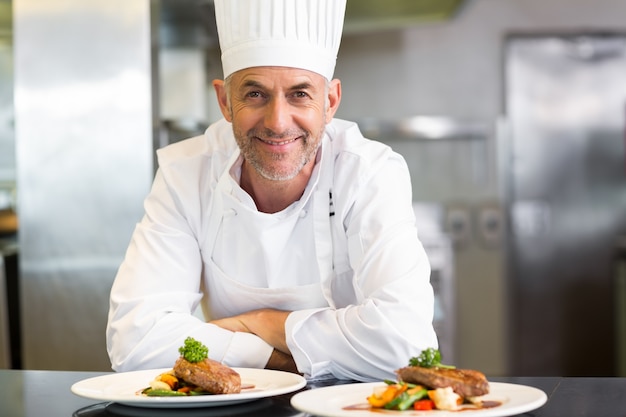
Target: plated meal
428,384
423,387
195,382
195,374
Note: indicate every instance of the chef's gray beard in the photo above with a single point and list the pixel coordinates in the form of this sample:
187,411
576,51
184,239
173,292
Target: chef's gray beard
311,143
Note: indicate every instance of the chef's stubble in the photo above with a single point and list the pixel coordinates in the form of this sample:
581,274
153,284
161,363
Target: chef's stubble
246,142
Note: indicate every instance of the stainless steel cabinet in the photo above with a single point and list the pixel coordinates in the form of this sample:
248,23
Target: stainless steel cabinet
566,104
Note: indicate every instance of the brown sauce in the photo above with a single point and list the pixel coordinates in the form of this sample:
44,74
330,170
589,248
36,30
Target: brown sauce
490,404
359,407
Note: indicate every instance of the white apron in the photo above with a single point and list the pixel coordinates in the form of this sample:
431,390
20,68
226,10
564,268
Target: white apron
226,296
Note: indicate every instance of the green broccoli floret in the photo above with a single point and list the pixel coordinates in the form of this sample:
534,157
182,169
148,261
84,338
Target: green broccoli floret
429,358
193,350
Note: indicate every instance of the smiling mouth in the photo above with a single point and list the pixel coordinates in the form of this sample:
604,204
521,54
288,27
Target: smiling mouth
277,143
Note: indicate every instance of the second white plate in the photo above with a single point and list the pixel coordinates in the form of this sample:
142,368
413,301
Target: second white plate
344,401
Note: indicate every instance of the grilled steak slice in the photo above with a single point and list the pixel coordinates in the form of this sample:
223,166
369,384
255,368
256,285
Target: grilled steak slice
209,375
465,382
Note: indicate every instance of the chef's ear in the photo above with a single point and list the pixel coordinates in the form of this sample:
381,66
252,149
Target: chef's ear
333,99
222,99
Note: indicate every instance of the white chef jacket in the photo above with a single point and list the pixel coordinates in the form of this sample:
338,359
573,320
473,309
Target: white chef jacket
345,259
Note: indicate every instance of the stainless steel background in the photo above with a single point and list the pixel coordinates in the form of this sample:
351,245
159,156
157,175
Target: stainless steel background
566,101
84,142
452,165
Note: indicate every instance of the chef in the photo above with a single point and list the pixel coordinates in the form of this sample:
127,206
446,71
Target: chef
291,232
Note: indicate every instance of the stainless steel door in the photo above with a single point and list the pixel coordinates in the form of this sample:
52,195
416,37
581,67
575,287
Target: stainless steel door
566,101
84,138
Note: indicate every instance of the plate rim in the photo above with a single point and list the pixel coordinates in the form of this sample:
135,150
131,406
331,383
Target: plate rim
537,402
84,388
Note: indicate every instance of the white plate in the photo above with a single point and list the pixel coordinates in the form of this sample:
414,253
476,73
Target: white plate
123,388
333,401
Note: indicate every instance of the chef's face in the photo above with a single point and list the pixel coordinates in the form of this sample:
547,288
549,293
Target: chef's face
278,116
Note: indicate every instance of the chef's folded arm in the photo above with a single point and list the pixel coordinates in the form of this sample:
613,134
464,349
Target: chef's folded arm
268,324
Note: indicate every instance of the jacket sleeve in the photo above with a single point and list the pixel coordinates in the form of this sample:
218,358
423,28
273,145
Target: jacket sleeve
383,298
157,290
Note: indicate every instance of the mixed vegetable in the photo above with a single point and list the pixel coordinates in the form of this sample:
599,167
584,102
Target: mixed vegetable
168,385
402,396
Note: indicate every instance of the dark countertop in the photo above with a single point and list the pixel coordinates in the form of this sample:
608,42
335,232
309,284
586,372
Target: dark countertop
47,394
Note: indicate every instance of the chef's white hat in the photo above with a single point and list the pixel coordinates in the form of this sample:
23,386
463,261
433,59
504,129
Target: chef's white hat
286,33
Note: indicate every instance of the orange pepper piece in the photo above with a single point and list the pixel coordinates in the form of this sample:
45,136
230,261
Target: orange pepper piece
392,391
170,380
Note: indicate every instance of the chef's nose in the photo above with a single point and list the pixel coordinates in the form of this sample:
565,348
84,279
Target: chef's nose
277,115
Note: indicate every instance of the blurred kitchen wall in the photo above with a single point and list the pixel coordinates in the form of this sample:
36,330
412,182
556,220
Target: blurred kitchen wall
7,142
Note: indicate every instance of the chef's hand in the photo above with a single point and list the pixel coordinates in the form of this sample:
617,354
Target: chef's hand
268,324
280,361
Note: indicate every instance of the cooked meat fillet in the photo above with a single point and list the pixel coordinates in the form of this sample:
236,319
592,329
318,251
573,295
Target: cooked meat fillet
465,382
209,375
